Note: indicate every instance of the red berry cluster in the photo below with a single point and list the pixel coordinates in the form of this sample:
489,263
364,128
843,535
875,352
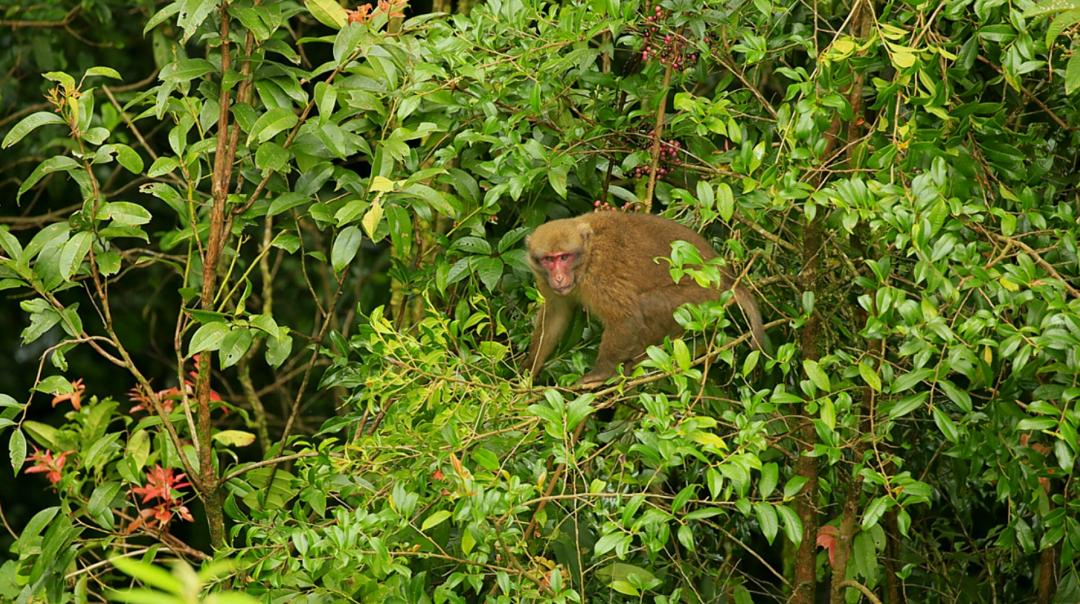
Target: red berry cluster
669,49
669,157
603,206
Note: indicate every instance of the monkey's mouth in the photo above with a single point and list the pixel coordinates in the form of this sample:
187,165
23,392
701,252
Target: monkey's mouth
562,291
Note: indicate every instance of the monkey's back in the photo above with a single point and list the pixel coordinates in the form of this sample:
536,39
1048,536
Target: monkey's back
623,270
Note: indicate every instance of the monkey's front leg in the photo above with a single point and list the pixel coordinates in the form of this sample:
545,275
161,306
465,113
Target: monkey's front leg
551,322
621,342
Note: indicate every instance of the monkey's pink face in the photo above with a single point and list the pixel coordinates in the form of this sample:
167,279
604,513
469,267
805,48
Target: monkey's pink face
560,271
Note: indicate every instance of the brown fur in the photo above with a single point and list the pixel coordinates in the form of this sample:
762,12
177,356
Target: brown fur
617,280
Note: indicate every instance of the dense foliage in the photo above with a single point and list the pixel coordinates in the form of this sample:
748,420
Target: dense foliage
300,248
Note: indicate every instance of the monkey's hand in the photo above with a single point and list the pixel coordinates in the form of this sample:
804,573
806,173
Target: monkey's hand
593,380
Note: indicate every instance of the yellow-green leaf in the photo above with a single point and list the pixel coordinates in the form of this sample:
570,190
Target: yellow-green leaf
234,438
328,12
381,184
435,519
372,218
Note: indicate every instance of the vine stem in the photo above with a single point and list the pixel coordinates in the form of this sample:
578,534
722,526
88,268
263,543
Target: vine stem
657,136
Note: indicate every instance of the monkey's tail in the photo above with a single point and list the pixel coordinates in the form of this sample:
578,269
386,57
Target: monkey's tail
749,308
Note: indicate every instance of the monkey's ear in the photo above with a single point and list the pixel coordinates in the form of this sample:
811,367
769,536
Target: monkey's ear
584,230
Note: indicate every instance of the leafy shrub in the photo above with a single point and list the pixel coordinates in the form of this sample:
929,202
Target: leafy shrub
335,199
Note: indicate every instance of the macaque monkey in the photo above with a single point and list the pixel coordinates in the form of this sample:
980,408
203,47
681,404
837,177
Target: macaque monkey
606,263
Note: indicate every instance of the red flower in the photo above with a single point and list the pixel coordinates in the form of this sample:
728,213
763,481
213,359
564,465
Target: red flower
392,8
45,462
168,396
75,396
361,14
160,483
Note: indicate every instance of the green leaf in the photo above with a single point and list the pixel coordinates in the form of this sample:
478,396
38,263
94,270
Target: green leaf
28,124
53,164
73,253
870,376
278,349
686,537
1037,423
185,71
1060,23
124,213
865,556
65,80
55,384
17,450
148,574
159,17
105,72
43,434
557,178
960,397
906,405
162,166
1072,73
750,362
42,318
233,346
816,375
266,324
287,201
10,244
192,15
767,520
208,337
828,413
725,201
945,424
138,448
129,158
489,270
1047,7
792,524
437,200
345,247
325,99
681,353
705,194
435,520
770,476
874,511
609,542
271,157
271,123
793,486
910,379
102,497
